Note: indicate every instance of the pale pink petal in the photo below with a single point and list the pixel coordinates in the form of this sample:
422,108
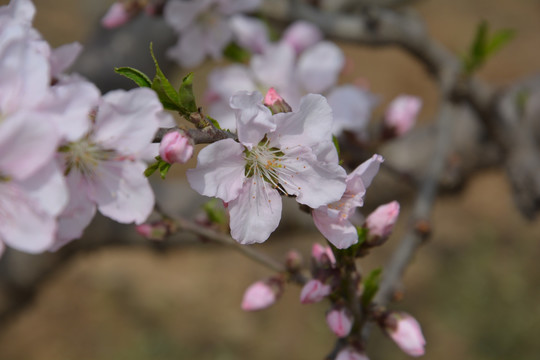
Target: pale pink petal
122,192
230,7
255,213
69,105
222,112
217,36
314,291
323,254
258,296
63,57
220,170
340,321
229,80
341,233
250,33
351,354
116,16
274,68
182,14
408,334
309,126
78,213
319,66
20,10
126,121
352,107
253,119
381,221
189,51
361,177
402,112
302,35
27,142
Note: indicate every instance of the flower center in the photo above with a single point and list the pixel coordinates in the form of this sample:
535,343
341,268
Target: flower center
84,156
264,162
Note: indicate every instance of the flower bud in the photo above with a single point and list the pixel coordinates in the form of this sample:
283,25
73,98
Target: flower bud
340,321
381,222
156,231
258,296
275,102
116,16
406,333
301,35
176,147
314,291
401,114
323,255
349,353
293,261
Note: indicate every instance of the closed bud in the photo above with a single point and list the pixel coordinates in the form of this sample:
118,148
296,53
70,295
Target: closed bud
401,114
323,255
380,222
293,261
340,321
156,231
116,16
275,102
176,147
301,35
314,291
258,296
406,333
350,353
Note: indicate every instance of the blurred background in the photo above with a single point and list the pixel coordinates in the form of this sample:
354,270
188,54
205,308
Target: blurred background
474,287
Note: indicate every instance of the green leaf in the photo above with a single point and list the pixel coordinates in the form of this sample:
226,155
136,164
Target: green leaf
164,168
214,122
138,76
185,94
151,169
371,286
215,213
166,93
236,53
499,39
336,144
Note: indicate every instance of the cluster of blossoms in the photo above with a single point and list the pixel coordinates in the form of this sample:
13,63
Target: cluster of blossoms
86,149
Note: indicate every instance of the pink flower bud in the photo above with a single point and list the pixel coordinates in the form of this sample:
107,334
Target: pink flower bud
381,221
406,333
340,321
323,254
116,16
275,102
258,296
314,291
301,35
349,353
293,261
401,113
176,147
154,231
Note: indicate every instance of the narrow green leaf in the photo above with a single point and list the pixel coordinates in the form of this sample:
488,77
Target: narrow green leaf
214,122
498,40
151,169
236,53
480,40
163,97
161,85
138,76
164,168
336,144
185,94
371,286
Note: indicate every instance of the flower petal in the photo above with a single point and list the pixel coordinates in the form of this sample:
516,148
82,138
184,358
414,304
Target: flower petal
250,33
181,14
319,66
339,232
255,213
220,170
274,68
352,108
217,36
253,119
188,51
63,57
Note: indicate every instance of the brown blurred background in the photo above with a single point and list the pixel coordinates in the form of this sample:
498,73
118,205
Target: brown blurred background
475,287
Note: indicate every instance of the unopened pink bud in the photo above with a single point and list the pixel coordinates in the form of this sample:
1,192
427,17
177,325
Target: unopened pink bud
406,333
258,296
116,16
323,254
153,231
340,321
293,261
349,353
401,113
176,147
275,102
381,221
301,35
314,291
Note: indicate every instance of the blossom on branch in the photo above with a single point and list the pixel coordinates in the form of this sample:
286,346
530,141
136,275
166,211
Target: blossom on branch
286,153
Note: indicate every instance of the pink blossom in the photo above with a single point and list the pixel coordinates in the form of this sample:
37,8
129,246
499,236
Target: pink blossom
402,112
258,296
250,33
340,321
176,147
333,220
314,291
116,16
352,108
406,333
381,221
323,254
349,353
302,35
275,102
287,153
